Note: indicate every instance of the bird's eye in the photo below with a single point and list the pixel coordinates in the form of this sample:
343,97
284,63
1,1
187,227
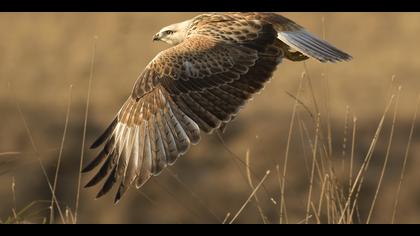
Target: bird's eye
168,32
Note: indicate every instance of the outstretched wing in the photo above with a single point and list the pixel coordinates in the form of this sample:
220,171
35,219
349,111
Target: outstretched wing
298,38
199,84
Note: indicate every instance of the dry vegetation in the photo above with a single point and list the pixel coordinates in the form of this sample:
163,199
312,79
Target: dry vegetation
321,144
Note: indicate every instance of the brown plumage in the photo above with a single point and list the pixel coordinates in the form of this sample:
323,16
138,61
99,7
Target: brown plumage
217,63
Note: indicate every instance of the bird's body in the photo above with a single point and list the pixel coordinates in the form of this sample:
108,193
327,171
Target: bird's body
217,62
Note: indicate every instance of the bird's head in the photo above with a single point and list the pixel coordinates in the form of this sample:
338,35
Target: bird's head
173,34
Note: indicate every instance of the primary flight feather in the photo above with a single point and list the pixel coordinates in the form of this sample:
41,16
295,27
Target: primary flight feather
216,63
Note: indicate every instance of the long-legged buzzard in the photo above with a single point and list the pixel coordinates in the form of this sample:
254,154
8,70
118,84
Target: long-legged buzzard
217,63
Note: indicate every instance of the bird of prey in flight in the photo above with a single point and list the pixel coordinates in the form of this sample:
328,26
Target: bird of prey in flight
217,62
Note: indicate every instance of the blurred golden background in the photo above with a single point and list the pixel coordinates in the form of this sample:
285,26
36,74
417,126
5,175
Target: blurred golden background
42,54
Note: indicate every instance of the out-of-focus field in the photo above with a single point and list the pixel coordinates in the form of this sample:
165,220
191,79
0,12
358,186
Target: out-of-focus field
42,54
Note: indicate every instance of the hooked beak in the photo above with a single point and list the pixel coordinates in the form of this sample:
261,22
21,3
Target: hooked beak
156,37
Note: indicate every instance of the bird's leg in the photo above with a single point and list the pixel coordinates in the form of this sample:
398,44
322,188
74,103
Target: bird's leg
292,54
295,56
